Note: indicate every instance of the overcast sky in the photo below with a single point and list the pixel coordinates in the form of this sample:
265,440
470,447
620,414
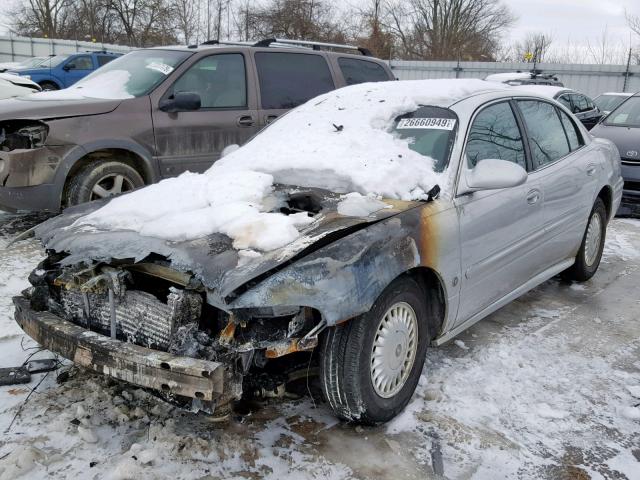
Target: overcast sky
572,21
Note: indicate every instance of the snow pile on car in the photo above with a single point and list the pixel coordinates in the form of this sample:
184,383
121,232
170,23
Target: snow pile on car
109,85
340,141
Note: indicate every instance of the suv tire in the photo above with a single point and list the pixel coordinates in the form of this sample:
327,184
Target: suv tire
357,382
102,179
49,86
590,253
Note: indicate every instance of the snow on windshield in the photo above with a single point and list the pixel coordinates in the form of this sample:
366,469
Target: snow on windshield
340,141
110,85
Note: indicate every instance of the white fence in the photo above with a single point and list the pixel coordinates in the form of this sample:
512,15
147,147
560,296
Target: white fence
590,79
14,49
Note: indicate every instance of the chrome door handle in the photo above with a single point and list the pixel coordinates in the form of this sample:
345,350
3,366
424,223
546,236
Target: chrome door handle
533,196
246,121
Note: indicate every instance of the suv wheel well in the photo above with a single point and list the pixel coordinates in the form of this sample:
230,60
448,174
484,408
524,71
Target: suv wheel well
435,300
120,155
606,197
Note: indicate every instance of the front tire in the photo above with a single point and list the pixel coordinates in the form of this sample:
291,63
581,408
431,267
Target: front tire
590,253
48,86
102,179
370,366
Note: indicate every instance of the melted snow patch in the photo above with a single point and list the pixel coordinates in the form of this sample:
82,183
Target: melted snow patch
356,205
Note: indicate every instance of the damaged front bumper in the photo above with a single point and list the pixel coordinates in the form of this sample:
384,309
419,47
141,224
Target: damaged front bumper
144,367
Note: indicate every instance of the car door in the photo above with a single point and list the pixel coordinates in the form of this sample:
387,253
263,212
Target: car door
500,229
76,68
567,173
193,140
288,79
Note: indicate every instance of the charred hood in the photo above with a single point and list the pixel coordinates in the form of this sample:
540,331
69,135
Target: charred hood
212,259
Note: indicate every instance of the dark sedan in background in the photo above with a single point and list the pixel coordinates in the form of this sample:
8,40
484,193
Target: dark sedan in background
622,127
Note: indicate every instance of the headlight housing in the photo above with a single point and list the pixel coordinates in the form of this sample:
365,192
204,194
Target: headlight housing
22,134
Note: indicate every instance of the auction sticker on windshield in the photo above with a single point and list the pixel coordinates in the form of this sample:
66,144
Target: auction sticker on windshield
161,67
436,123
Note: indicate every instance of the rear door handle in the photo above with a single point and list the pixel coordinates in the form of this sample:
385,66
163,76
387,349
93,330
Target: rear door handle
270,118
246,121
533,196
591,169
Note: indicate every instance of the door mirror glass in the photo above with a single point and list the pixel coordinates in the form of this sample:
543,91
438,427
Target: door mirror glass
68,67
181,102
491,174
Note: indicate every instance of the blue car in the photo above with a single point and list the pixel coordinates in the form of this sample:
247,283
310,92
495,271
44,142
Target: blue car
62,71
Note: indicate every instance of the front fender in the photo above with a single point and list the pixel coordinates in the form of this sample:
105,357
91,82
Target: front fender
343,279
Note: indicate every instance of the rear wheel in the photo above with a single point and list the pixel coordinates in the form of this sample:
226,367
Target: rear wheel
590,253
370,366
102,179
48,86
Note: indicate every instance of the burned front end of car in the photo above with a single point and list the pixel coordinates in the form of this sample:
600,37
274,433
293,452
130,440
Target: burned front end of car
150,325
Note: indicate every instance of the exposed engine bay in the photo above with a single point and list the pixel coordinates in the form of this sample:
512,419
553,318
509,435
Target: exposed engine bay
150,305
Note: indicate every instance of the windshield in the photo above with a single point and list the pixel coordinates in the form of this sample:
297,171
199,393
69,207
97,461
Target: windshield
430,131
132,75
606,103
53,62
627,114
32,62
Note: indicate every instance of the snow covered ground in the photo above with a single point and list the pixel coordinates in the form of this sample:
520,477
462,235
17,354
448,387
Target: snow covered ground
546,388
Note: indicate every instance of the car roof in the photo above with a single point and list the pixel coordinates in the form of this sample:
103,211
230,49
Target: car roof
294,46
618,94
548,91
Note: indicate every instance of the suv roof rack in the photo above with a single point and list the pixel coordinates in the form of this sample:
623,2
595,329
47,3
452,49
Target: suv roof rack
285,42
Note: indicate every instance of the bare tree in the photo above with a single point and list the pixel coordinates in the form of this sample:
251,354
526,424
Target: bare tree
446,29
42,17
185,13
533,48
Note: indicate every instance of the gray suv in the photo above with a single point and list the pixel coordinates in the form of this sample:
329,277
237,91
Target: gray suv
155,113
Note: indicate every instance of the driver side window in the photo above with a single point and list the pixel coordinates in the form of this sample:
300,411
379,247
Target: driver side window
81,63
495,134
220,80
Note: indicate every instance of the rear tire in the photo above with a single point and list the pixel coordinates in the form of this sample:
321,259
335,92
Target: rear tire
102,179
358,382
49,86
590,253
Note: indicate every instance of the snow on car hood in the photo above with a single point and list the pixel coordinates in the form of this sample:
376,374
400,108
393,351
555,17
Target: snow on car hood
340,141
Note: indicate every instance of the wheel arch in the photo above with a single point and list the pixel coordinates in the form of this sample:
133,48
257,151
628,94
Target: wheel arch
606,195
435,299
131,154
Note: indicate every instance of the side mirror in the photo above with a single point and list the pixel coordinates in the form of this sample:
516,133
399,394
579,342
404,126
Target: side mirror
492,174
181,102
66,68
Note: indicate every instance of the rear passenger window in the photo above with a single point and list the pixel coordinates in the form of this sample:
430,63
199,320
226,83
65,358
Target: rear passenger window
547,140
573,134
580,103
495,134
361,71
290,79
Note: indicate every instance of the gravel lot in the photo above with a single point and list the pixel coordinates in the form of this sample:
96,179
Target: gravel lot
547,387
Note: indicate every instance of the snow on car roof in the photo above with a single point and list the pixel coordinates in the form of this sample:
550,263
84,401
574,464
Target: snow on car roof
542,90
618,94
504,77
340,141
